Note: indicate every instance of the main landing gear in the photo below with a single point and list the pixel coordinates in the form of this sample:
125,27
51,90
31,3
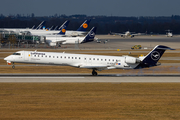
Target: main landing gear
13,66
94,73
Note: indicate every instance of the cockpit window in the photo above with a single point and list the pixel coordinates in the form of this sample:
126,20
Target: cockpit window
16,53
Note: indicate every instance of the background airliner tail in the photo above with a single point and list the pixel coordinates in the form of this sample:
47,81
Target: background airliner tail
90,36
41,25
65,24
153,57
63,28
84,26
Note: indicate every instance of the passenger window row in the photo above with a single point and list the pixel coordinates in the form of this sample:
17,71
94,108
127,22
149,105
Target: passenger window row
97,59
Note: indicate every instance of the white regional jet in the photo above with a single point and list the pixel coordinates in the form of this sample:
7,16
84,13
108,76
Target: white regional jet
94,62
126,34
54,40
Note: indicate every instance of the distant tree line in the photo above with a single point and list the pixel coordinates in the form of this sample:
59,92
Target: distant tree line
104,24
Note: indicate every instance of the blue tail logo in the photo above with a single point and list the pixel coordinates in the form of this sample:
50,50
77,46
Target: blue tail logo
155,55
91,34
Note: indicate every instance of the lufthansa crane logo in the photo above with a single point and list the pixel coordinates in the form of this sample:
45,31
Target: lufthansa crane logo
91,34
155,55
63,30
85,25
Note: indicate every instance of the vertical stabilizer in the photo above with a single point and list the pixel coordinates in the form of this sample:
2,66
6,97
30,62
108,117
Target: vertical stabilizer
84,26
90,36
153,57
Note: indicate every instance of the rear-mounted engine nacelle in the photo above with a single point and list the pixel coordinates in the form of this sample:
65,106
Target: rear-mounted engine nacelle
131,60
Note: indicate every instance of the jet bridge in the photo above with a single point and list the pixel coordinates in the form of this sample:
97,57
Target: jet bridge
23,38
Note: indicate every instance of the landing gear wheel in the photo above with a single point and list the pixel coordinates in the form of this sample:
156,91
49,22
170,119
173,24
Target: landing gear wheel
94,73
13,67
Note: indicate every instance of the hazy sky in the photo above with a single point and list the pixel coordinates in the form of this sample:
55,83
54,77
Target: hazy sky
91,7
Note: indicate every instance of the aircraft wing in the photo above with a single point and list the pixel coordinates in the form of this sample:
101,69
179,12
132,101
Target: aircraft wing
113,33
61,41
135,34
95,66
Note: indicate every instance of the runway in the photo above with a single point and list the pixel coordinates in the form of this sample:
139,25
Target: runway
86,78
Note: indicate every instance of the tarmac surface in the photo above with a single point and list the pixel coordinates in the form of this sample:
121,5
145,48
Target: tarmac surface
86,78
118,42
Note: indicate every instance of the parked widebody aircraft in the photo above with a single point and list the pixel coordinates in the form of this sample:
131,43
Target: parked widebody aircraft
25,30
41,32
81,31
54,40
94,62
45,32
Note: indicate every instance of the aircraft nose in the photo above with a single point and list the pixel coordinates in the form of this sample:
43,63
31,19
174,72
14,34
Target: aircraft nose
7,58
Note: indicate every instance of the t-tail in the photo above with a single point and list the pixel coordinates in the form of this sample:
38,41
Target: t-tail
63,27
90,36
84,26
152,58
